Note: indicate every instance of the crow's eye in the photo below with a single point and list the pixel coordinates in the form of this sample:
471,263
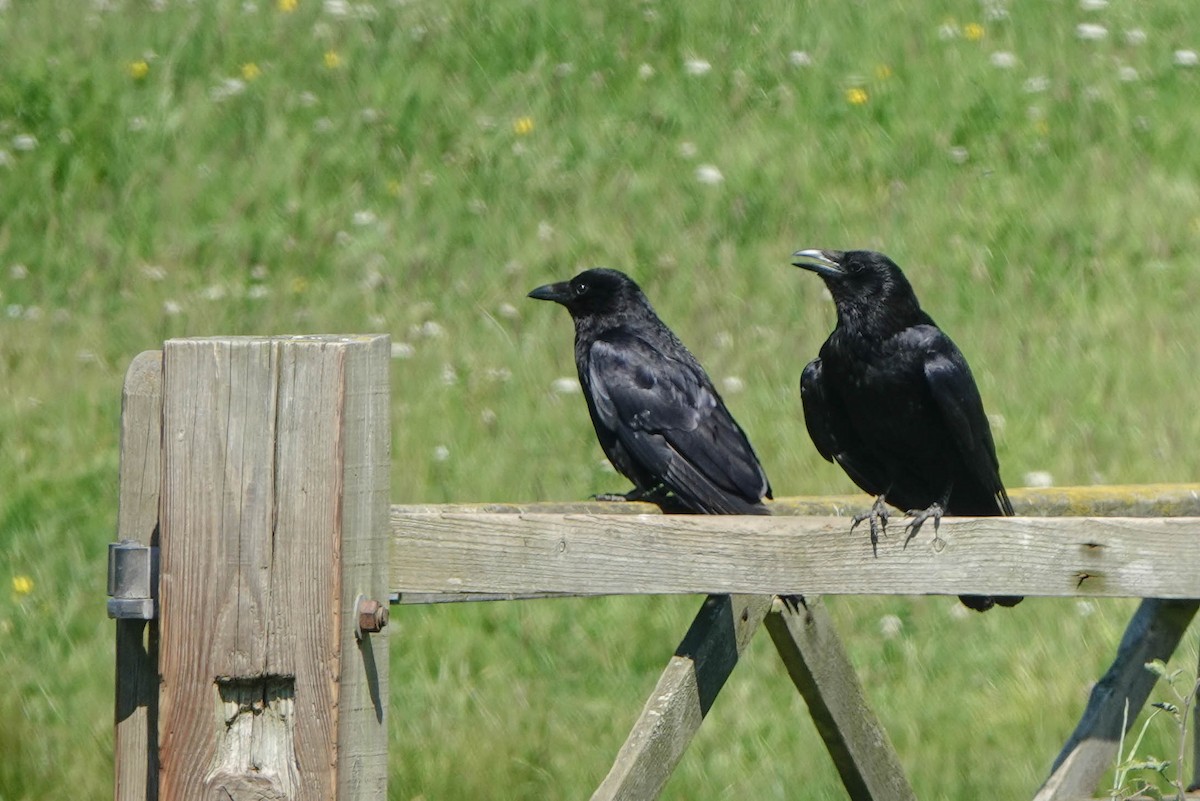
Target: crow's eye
581,289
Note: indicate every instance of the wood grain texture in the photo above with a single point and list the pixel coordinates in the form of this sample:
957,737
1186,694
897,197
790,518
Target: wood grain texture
135,739
664,554
264,496
818,665
680,701
1153,633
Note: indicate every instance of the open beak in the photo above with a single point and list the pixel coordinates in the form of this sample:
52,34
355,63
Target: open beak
822,262
559,293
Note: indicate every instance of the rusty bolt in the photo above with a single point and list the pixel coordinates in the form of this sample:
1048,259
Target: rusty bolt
372,615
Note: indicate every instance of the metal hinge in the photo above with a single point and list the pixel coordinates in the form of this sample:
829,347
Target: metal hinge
132,580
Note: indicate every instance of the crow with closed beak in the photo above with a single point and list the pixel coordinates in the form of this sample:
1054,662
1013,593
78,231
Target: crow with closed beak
659,419
892,401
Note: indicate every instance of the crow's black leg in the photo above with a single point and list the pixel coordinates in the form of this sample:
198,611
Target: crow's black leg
877,516
919,516
651,494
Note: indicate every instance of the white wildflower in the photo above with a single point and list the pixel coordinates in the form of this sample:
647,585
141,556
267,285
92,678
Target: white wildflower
1085,608
889,626
697,66
488,417
1127,73
431,329
1093,5
258,292
1135,37
645,72
507,310
363,218
994,10
1039,478
171,308
798,58
709,174
565,386
230,87
337,8
153,272
449,375
1002,59
959,155
732,384
441,453
213,292
688,150
947,31
1183,58
1036,84
18,272
403,350
6,158
1091,32
24,142
545,231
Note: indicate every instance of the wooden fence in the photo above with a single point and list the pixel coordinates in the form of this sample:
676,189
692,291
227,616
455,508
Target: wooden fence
252,585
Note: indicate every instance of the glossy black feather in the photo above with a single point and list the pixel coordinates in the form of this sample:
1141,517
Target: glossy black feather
657,415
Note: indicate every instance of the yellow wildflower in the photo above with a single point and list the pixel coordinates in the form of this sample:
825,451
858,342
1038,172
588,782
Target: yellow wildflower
973,31
250,71
22,585
299,285
393,188
856,96
332,59
523,126
138,69
883,72
287,6
1041,127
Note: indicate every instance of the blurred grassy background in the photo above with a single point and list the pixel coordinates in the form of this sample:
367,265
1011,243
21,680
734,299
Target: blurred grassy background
177,169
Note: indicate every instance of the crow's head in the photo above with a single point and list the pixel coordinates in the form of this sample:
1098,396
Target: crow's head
863,283
594,293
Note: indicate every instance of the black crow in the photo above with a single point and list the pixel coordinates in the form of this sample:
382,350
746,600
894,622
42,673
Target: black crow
659,419
891,399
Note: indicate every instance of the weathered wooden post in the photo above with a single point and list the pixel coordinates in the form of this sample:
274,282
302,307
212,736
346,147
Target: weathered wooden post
273,519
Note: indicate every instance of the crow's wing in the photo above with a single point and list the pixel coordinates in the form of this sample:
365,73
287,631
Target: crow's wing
958,399
668,416
831,431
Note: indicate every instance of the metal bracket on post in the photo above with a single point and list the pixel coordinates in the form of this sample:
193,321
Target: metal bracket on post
132,580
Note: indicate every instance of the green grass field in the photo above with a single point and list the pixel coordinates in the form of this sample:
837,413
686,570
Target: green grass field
177,169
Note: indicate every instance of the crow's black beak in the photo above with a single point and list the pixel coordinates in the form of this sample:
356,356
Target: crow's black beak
822,262
559,293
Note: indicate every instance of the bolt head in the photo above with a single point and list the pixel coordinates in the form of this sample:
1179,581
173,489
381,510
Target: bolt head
372,615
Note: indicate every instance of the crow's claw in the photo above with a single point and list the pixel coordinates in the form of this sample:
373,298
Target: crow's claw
919,516
877,516
612,496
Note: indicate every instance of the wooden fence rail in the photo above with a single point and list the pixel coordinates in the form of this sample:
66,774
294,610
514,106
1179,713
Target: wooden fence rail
258,467
567,554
